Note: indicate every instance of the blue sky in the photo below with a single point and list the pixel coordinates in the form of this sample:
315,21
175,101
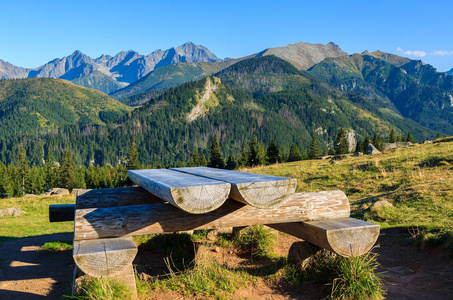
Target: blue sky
35,32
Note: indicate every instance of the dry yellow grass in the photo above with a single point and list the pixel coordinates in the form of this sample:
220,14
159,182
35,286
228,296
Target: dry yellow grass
418,181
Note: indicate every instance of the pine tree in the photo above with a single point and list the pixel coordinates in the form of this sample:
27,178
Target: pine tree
341,143
392,138
51,171
66,176
216,159
202,162
133,157
359,146
437,136
231,163
314,151
252,154
366,142
24,170
377,141
261,150
37,180
193,160
273,153
198,160
242,159
6,185
294,153
409,138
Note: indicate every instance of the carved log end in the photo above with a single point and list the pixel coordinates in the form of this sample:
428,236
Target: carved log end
201,199
353,242
104,257
266,194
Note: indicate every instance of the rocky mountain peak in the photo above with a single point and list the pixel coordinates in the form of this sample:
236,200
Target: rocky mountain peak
193,53
305,55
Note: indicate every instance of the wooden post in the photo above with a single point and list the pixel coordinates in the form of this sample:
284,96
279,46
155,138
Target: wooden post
261,191
61,212
346,236
193,194
94,223
102,198
104,258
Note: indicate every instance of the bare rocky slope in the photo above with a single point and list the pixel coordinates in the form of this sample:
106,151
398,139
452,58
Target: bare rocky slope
305,55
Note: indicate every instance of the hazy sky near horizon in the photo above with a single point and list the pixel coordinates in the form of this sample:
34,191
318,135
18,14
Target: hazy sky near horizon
35,32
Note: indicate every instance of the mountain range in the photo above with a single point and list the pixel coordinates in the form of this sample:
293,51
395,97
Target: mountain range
408,87
288,93
111,74
107,73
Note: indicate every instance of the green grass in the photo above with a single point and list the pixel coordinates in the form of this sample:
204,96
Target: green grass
343,278
57,246
417,180
259,240
36,220
208,279
356,278
103,289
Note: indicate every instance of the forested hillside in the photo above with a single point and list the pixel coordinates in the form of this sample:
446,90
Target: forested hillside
39,105
408,87
260,98
169,76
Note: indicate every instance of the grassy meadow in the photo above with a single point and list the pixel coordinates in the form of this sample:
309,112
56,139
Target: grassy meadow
36,220
417,180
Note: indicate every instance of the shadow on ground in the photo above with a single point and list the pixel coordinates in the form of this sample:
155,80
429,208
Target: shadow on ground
28,272
411,273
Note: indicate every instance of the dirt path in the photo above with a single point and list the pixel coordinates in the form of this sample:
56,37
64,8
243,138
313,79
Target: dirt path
411,273
27,272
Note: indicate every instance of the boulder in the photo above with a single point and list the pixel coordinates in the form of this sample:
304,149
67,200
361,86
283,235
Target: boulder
214,233
403,144
358,154
340,157
388,146
145,277
76,192
325,157
299,252
371,150
57,192
379,204
11,211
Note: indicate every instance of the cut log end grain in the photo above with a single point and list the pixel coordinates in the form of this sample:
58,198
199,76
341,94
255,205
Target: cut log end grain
260,191
265,194
201,199
104,258
192,194
347,237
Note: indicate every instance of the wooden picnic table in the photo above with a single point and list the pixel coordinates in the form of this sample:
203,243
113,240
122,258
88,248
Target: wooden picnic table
183,199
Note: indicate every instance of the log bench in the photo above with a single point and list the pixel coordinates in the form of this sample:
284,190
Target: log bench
106,219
